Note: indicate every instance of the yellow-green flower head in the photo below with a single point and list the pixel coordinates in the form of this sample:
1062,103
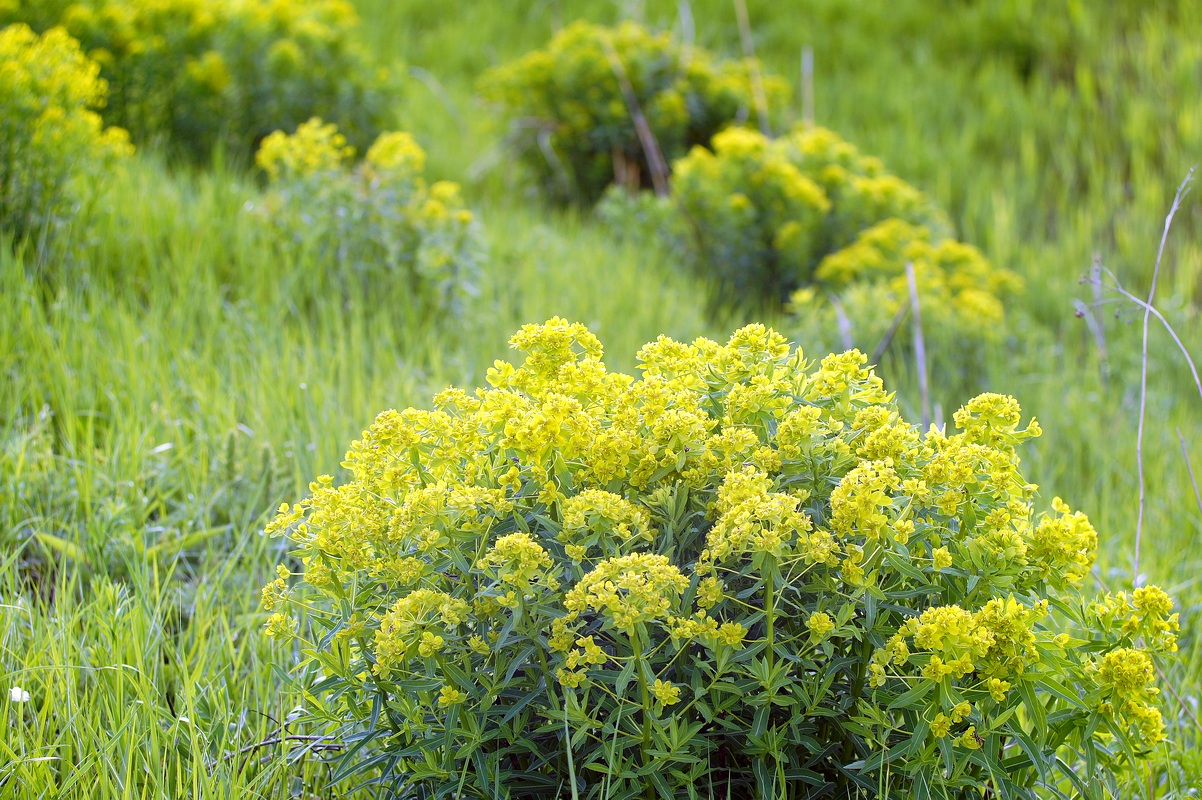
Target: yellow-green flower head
753,521
315,147
450,696
820,625
520,561
409,627
665,693
554,344
1063,547
605,521
397,151
710,592
629,590
1126,671
993,419
858,503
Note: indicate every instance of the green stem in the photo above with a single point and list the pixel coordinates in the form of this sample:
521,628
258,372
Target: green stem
645,694
770,614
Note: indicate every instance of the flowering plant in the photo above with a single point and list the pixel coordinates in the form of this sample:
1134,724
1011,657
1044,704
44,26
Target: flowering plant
575,125
373,224
738,575
766,218
199,73
52,134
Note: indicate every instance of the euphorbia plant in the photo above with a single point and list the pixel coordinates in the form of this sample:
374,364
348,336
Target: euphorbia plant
738,575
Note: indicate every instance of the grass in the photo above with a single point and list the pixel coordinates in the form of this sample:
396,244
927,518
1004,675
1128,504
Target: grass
167,383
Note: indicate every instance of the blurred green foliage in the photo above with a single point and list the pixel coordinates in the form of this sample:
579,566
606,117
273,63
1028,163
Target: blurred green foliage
198,74
573,105
52,141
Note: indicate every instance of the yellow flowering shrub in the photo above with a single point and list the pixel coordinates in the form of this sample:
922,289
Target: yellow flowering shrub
573,125
738,557
198,73
369,225
810,218
53,137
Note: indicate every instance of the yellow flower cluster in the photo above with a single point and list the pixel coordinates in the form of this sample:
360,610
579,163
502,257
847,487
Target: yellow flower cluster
410,626
603,520
1126,676
200,72
1147,614
956,285
754,520
50,93
571,96
519,561
314,148
996,643
629,590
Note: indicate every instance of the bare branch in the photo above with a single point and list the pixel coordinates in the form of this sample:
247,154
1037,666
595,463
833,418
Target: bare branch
757,79
1143,381
920,348
651,151
1190,468
902,312
844,322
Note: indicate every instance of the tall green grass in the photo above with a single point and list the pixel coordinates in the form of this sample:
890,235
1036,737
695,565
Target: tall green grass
162,388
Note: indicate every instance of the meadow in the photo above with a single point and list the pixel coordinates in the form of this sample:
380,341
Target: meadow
169,378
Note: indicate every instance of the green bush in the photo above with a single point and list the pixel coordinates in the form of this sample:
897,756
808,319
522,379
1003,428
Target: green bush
202,73
738,576
373,227
51,138
572,123
761,213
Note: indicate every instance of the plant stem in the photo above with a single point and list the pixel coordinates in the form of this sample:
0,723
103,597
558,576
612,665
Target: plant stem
645,695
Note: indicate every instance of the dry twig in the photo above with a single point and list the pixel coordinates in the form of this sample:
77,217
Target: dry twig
1190,468
807,86
655,159
757,79
920,349
1182,190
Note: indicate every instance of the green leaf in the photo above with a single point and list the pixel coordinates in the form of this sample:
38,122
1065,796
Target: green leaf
908,699
59,545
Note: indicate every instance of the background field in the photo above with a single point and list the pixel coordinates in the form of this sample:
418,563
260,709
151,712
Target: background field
162,391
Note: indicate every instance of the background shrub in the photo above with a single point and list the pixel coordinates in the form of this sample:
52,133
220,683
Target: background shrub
202,73
376,228
737,576
51,138
761,214
572,124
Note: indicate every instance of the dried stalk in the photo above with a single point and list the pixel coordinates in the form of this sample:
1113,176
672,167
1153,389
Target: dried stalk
1143,380
844,322
757,79
1190,468
655,159
807,86
920,348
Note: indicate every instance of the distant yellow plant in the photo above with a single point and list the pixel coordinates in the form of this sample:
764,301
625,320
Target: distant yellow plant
54,140
372,225
574,124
